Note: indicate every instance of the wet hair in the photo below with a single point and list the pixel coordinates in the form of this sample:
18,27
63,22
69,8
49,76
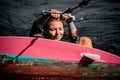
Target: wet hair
46,25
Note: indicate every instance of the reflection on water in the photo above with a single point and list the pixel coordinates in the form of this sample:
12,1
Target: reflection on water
45,69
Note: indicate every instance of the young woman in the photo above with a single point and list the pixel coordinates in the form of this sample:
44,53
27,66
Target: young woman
51,26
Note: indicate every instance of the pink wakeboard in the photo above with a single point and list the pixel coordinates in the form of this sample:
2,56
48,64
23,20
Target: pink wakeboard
51,49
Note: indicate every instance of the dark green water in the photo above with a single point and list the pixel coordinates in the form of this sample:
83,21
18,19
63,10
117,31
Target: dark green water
101,19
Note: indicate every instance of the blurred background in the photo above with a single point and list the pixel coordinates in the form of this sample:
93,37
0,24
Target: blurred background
99,20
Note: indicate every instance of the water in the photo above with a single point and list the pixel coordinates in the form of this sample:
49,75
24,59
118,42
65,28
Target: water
101,19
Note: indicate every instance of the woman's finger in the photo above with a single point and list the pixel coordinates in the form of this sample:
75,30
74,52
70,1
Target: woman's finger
66,16
55,13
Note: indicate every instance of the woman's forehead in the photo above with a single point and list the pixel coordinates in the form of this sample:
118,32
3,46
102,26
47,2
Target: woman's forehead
55,24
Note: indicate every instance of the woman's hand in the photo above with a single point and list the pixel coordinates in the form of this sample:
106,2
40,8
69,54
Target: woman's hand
58,14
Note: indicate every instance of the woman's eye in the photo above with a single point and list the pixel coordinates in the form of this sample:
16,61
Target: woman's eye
60,28
52,29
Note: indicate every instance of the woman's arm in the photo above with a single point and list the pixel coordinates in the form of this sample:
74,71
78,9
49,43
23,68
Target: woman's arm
72,28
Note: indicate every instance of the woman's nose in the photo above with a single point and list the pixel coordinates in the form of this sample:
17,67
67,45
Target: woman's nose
57,31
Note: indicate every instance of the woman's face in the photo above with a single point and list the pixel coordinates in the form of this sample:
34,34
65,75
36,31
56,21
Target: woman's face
55,30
